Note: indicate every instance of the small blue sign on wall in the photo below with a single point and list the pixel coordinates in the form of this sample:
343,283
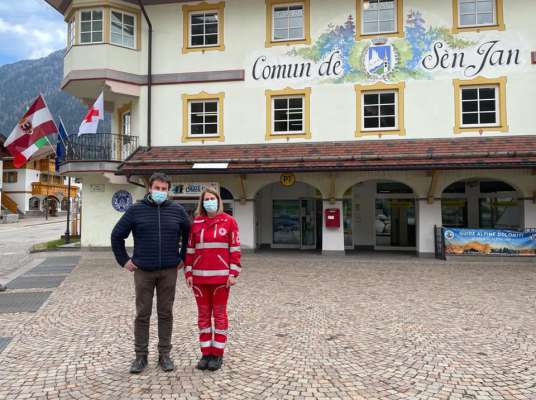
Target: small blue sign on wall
121,200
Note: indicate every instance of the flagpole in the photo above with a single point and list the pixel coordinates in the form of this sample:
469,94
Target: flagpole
67,229
46,200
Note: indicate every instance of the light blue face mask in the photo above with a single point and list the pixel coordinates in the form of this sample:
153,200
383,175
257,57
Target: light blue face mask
210,205
159,197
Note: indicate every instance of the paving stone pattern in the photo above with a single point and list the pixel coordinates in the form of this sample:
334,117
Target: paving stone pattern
302,327
36,282
22,302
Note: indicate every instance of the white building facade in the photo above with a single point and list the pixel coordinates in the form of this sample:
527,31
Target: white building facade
25,190
331,125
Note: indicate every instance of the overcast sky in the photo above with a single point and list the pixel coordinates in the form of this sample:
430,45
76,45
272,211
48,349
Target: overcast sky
29,29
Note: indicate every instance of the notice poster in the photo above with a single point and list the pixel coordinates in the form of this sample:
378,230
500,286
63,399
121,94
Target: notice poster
286,222
491,242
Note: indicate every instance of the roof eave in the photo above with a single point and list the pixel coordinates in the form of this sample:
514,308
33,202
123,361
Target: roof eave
369,168
62,5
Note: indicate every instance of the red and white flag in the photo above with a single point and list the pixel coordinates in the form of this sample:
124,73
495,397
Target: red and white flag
31,132
93,116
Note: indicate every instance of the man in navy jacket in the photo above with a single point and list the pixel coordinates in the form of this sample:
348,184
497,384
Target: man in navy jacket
158,227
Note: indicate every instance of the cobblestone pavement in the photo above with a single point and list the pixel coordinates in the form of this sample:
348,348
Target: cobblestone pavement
302,327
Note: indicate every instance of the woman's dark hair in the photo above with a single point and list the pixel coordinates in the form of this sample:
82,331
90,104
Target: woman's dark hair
159,176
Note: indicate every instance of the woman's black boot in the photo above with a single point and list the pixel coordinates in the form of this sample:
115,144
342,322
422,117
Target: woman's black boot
204,362
215,363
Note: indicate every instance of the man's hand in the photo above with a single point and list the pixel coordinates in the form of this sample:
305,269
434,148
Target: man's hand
231,281
181,265
190,282
130,266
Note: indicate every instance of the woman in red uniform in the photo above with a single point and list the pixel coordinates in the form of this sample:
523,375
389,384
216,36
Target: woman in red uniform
212,267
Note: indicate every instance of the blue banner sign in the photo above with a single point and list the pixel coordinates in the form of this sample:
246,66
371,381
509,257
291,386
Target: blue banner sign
492,242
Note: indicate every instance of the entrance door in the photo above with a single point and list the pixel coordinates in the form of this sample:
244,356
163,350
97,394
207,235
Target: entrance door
308,224
395,223
294,224
286,231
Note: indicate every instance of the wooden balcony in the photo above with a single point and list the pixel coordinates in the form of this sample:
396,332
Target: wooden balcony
51,189
46,165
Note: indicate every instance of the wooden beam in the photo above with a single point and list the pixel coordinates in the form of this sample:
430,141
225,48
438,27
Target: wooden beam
332,188
146,181
242,188
432,188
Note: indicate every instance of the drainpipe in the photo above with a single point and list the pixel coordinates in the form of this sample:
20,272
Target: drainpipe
149,72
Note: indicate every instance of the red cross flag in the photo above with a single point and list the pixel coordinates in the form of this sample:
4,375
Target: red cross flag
30,133
93,116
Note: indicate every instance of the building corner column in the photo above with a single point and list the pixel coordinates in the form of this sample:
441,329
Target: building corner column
244,214
428,215
332,238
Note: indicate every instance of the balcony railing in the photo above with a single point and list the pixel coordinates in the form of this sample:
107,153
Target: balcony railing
100,147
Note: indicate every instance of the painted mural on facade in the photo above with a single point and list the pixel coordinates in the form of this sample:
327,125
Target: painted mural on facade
424,51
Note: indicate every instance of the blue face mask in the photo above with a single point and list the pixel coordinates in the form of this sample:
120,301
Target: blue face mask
159,197
210,205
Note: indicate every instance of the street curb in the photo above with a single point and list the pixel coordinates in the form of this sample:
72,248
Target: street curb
55,250
44,223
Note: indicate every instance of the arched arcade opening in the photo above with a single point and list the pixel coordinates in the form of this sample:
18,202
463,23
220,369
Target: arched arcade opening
481,203
380,215
288,217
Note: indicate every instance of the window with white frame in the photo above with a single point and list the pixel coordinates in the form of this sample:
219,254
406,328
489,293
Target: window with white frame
123,29
477,12
204,28
71,32
91,26
288,22
379,16
380,110
479,106
203,116
288,114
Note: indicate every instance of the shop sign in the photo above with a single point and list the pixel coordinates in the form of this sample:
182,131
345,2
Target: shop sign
453,202
121,200
97,187
287,179
402,203
490,242
192,189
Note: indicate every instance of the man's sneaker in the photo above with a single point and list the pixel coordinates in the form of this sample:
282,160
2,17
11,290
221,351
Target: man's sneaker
138,365
166,363
215,363
203,362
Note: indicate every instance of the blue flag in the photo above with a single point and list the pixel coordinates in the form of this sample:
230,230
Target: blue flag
60,145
